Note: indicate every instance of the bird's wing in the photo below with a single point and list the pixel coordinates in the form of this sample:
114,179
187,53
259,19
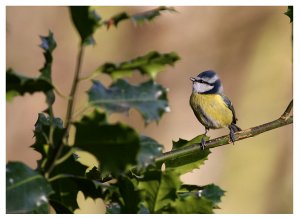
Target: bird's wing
230,106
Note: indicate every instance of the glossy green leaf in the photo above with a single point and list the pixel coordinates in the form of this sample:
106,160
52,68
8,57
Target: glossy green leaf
158,190
17,84
138,18
86,22
289,13
149,98
26,190
114,145
188,162
150,64
210,192
149,150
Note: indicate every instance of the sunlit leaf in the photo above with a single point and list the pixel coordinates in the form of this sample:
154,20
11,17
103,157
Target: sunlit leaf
192,205
149,98
158,190
26,190
187,162
150,64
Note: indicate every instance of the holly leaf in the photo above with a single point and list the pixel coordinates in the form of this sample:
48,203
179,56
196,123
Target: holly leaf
158,190
149,98
26,190
139,18
107,142
17,84
48,44
149,150
150,64
86,22
192,205
210,192
129,194
187,162
289,13
43,144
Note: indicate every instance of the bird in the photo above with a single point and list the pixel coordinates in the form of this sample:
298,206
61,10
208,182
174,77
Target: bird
212,108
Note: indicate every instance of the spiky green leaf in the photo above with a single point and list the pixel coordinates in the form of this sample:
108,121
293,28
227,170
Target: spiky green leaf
149,98
150,64
26,190
86,22
187,162
107,142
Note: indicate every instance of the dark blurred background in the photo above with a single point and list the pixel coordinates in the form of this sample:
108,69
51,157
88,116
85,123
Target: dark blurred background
249,47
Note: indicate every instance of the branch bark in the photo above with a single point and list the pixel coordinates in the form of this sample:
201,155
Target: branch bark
284,119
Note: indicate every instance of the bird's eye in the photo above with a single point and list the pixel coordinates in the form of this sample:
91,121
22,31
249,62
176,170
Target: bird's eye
200,81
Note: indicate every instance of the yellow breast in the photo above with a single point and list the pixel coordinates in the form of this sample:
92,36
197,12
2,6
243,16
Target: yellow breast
211,110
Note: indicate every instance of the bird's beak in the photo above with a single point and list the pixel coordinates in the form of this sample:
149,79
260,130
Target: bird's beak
192,79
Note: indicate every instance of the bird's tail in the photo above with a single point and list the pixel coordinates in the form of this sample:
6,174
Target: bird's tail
234,128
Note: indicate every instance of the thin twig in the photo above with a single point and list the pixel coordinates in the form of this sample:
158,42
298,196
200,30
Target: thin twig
69,113
285,119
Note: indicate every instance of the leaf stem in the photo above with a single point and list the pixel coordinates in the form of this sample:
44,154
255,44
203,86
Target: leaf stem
283,120
71,100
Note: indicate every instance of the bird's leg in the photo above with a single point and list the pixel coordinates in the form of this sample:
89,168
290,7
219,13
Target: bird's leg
231,134
203,143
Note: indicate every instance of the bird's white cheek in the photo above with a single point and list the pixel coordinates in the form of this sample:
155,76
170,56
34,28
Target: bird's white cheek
201,88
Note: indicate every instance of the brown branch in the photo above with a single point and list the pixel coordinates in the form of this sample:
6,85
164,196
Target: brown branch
284,119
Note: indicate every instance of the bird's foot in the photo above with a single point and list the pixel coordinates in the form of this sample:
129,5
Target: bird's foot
203,143
231,136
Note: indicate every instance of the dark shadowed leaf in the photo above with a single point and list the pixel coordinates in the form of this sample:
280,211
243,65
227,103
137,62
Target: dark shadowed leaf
114,145
158,190
48,45
94,174
17,84
26,190
150,64
149,98
190,161
289,13
43,144
66,189
129,194
86,22
138,18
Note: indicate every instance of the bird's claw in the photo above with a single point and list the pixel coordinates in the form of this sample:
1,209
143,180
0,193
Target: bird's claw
231,136
203,144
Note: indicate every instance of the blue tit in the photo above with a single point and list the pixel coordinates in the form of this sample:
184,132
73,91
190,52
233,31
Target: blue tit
211,107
